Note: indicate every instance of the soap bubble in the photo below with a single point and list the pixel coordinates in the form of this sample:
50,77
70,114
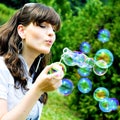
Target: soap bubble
106,55
109,104
98,70
84,72
105,105
114,103
100,94
89,62
58,67
101,64
63,67
73,58
85,47
84,85
104,35
66,87
80,60
68,57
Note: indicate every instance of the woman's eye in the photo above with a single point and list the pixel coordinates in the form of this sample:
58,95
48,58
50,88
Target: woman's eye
42,26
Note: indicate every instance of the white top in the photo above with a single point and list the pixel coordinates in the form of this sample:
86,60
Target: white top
12,95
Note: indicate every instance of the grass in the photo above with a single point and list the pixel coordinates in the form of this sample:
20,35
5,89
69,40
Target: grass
56,108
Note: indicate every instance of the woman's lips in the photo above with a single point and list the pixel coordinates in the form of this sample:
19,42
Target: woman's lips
49,42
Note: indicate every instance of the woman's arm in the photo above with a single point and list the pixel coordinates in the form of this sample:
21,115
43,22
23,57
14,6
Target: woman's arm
21,111
45,82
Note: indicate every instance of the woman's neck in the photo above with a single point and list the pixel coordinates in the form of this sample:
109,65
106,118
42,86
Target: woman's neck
29,55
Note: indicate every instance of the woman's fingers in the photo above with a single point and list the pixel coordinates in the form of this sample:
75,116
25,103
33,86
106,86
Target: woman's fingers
50,78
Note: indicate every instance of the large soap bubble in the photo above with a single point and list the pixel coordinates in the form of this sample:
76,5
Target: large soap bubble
106,56
105,105
101,93
84,85
66,87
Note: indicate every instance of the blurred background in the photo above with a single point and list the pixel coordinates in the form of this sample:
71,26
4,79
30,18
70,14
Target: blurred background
91,27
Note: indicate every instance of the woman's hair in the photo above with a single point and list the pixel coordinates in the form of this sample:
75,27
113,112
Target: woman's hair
10,40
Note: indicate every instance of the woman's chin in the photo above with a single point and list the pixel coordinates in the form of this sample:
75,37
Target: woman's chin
46,52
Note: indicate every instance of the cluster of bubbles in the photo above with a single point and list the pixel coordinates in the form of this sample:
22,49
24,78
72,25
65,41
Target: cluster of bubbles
106,104
99,64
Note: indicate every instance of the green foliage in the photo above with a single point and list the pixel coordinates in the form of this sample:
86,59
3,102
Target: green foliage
85,27
57,108
5,13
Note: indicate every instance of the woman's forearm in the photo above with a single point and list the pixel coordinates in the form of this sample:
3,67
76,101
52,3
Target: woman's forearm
21,111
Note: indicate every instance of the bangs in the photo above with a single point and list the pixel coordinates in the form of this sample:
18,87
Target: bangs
38,13
47,14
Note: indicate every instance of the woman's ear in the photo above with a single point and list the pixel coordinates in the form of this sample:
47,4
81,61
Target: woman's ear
21,31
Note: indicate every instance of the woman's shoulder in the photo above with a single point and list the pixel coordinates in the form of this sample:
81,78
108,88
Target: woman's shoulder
2,63
4,71
3,66
1,58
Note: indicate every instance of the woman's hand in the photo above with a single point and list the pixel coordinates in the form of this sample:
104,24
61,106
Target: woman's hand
50,78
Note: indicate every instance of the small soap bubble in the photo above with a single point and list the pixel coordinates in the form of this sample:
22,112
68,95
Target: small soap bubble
58,67
101,63
104,35
84,72
105,105
80,60
106,55
68,57
100,94
84,85
55,68
85,47
63,67
89,62
67,50
66,88
99,71
114,103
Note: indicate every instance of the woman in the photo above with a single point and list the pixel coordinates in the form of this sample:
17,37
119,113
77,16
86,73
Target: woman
25,43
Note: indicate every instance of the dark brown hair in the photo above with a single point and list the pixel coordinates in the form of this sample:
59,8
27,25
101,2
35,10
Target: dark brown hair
10,40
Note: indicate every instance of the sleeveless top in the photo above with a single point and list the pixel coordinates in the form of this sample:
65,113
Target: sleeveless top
12,95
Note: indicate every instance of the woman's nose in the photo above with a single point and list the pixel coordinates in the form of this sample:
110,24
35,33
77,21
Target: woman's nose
51,32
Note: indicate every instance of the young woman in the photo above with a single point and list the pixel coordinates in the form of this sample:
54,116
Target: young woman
25,43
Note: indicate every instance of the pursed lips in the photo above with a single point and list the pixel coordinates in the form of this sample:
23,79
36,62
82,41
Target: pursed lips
49,42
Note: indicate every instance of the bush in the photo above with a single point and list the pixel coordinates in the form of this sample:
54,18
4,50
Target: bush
85,27
5,13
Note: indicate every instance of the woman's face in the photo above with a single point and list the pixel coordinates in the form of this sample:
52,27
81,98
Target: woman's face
39,38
